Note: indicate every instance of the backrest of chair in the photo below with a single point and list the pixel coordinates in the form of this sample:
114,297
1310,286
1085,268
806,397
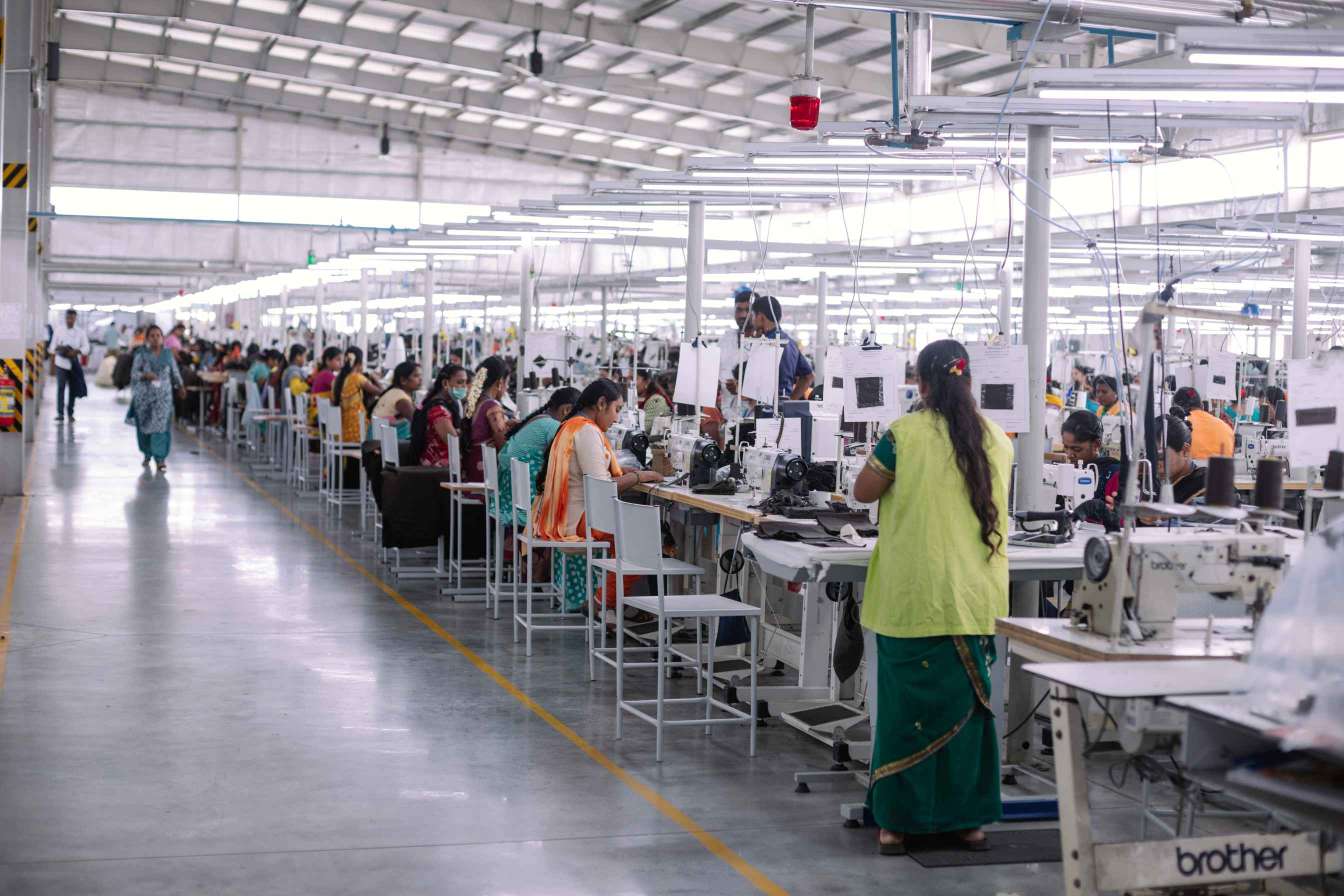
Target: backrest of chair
330,414
490,464
454,457
520,479
639,534
599,504
253,396
301,406
387,440
287,401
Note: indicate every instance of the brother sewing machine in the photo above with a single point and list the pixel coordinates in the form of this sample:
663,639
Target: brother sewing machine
1071,483
1133,583
694,457
768,470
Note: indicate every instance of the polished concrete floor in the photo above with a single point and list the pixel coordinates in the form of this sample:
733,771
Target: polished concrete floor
201,696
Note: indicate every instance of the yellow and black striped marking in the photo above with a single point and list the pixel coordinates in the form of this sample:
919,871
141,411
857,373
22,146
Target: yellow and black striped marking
11,403
31,368
32,225
14,175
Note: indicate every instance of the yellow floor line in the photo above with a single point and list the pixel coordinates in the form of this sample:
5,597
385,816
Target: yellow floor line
721,850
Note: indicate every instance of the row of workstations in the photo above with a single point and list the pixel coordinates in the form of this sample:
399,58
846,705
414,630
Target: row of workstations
1157,669
1164,674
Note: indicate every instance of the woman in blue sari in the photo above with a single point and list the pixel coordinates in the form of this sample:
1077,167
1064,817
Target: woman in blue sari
154,380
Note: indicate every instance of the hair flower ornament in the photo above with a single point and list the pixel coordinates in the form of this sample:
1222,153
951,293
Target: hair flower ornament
957,367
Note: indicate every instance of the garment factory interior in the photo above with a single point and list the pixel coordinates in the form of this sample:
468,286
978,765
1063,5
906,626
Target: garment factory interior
671,446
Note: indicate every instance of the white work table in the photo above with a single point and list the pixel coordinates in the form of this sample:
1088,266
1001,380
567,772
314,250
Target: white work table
1219,736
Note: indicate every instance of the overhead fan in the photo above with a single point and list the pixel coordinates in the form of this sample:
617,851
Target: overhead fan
531,70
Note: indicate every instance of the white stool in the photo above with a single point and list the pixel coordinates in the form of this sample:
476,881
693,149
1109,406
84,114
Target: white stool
461,495
639,542
599,504
524,541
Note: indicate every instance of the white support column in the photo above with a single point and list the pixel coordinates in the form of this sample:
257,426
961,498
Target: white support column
823,334
695,267
365,280
524,291
1035,315
285,341
319,294
427,323
1301,296
918,74
1006,303
602,337
15,125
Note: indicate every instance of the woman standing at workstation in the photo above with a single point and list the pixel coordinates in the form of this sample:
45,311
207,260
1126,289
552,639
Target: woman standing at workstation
936,582
485,408
154,380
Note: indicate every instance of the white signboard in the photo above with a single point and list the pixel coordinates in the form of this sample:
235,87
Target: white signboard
1315,411
697,375
999,383
874,381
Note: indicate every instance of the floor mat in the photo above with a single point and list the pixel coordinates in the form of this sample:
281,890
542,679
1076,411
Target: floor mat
1006,848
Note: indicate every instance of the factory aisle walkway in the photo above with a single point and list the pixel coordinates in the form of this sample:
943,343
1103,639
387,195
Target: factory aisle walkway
201,695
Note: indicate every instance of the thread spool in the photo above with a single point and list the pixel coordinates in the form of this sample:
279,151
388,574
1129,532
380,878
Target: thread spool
1269,484
1334,472
1221,488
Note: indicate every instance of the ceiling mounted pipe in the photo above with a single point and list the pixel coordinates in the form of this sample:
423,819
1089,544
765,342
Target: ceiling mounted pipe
1162,17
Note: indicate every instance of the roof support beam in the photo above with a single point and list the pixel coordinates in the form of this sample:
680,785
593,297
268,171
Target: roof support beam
134,80
658,42
408,50
83,36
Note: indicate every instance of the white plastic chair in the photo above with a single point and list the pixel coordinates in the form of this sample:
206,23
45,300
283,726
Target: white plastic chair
599,504
526,543
495,527
639,544
461,495
334,453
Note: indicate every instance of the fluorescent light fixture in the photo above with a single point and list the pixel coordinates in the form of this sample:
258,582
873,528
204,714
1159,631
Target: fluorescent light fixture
660,203
954,144
1267,60
795,189
863,159
822,177
1287,235
1196,94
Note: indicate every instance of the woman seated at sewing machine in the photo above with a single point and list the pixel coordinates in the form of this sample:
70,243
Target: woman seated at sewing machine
1081,434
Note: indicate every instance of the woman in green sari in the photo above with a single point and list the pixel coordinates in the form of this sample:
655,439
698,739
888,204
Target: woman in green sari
937,580
155,379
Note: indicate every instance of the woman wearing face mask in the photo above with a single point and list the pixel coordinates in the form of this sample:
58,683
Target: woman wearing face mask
439,416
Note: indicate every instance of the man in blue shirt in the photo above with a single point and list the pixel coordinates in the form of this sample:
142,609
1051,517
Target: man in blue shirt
795,371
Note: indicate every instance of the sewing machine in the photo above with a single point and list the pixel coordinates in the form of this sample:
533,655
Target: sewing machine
1074,484
630,439
695,457
1131,586
1267,442
767,470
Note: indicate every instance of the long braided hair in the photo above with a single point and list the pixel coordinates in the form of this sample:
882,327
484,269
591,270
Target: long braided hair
944,368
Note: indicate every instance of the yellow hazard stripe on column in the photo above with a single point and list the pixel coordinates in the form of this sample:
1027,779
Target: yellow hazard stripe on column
13,369
14,176
32,225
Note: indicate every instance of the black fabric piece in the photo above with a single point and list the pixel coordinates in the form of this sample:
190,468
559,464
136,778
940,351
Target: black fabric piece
121,374
77,386
848,651
732,629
